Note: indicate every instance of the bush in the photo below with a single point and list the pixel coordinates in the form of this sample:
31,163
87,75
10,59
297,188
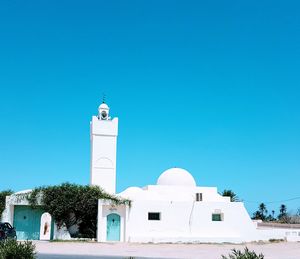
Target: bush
237,254
11,249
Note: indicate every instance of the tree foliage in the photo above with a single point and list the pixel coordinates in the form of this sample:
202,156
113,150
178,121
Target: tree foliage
11,249
282,211
3,195
283,216
73,204
246,254
261,213
231,194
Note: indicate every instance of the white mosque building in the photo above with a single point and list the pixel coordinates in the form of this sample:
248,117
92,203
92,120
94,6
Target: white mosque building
174,210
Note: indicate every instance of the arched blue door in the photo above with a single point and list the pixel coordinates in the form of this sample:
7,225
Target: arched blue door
113,227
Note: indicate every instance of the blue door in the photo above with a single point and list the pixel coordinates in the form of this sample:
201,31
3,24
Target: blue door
113,227
27,222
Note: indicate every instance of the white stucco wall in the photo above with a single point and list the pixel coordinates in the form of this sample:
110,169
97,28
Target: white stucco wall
103,153
104,209
12,200
188,222
182,218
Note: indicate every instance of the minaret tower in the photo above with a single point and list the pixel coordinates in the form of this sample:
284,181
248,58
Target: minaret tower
104,132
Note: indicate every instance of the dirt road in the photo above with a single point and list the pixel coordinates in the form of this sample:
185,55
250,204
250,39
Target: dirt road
124,250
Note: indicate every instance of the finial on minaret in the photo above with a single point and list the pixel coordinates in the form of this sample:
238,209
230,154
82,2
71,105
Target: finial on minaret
103,110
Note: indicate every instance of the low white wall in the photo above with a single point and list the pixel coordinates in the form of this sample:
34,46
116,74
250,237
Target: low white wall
290,235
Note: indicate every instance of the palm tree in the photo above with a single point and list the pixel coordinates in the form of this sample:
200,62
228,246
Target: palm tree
273,213
283,213
282,209
231,194
263,211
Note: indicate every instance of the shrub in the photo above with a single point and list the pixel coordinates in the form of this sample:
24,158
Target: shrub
237,254
274,240
11,249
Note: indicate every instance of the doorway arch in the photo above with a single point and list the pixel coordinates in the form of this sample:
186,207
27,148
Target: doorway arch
113,227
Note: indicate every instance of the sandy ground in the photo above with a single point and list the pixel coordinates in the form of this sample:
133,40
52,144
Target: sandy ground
281,250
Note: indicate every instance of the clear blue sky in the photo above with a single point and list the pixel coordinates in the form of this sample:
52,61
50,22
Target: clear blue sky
213,87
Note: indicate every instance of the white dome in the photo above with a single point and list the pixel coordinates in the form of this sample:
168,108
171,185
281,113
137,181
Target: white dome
103,106
131,191
176,176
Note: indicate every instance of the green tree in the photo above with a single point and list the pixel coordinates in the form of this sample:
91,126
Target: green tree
263,210
283,215
231,194
271,217
73,204
261,213
282,210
